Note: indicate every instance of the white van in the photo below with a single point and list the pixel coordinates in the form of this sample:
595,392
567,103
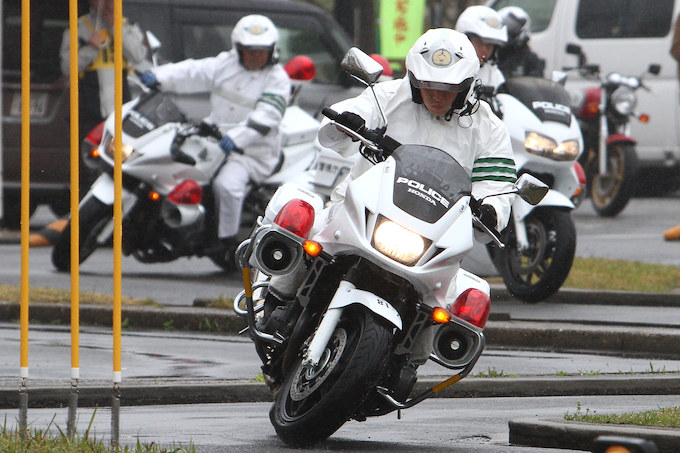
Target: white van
622,36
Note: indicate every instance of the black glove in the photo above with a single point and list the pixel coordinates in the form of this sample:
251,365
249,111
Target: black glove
351,120
207,130
487,215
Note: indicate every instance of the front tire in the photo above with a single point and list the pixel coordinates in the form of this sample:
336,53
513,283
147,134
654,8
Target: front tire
94,216
535,274
312,404
611,193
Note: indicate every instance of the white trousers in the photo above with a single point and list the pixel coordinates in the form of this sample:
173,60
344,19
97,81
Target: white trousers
229,187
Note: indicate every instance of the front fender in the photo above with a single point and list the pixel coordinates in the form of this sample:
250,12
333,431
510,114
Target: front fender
103,189
620,138
521,209
379,306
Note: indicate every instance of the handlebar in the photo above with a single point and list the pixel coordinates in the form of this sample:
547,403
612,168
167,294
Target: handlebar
203,129
475,205
385,143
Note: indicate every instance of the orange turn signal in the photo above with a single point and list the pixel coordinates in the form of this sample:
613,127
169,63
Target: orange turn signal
441,316
154,196
312,248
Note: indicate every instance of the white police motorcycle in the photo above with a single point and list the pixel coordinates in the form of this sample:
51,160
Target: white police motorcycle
376,270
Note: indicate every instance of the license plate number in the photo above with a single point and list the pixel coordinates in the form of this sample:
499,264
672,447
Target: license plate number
38,105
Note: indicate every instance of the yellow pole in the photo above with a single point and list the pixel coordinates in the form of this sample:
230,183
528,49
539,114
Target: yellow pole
118,185
75,218
25,177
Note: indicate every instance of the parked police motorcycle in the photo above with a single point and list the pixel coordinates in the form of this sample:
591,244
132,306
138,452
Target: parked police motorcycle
610,160
168,165
540,241
376,271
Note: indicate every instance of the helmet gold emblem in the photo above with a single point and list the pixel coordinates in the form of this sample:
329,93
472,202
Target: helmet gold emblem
493,22
256,29
441,57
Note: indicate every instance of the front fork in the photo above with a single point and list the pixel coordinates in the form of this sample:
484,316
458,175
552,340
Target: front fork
103,189
602,137
346,294
520,231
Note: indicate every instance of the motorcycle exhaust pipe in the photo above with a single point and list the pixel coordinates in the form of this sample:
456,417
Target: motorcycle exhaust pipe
179,216
455,346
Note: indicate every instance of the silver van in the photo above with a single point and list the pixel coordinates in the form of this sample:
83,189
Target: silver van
186,28
623,36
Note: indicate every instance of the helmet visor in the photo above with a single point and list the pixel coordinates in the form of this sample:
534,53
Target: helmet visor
243,48
442,86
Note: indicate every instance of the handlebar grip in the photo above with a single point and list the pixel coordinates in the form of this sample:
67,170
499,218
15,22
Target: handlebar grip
330,113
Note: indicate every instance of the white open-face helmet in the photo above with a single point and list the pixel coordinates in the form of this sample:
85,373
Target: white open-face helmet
518,22
255,32
443,59
483,22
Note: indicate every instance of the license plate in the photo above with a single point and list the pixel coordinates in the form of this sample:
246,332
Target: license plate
38,105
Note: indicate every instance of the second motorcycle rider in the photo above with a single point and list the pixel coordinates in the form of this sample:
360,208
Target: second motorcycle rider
249,92
435,105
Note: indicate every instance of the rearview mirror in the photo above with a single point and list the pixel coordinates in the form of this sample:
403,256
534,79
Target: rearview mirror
361,66
531,189
154,46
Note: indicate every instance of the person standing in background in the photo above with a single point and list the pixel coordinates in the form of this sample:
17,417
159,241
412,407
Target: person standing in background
95,61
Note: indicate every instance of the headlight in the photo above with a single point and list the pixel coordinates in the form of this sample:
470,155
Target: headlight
398,243
547,147
125,150
624,101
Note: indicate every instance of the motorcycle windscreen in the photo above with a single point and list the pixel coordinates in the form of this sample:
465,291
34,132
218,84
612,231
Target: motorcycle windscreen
153,110
547,99
428,181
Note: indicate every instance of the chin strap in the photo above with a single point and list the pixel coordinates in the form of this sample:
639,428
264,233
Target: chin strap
467,110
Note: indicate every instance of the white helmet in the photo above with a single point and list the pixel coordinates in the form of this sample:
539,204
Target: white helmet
483,22
443,59
255,32
518,22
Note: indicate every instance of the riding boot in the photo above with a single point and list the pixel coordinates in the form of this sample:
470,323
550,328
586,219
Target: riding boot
227,245
273,313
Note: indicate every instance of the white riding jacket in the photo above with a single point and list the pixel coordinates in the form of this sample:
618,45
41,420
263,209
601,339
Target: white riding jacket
246,105
479,142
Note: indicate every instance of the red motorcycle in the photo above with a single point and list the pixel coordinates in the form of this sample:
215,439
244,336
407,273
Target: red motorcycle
604,113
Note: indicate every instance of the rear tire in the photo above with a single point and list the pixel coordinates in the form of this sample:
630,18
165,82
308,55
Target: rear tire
94,216
611,193
312,404
539,272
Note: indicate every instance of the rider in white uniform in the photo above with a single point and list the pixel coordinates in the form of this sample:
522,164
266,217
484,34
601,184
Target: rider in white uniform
485,28
249,92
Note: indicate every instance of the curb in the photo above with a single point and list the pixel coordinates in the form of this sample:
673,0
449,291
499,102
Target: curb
640,340
168,391
564,434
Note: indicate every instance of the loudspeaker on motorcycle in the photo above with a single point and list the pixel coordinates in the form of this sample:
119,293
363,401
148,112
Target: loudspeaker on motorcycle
275,253
455,346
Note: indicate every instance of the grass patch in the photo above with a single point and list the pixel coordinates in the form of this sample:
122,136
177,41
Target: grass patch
665,417
12,293
55,440
493,373
221,302
604,274
618,275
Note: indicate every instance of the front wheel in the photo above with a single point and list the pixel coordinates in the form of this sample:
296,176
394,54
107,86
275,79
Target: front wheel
611,192
313,403
94,216
538,272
